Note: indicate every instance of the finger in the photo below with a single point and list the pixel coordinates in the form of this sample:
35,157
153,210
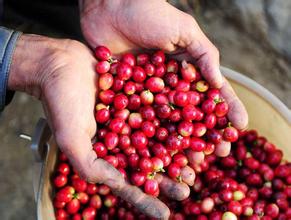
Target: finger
92,169
201,49
150,206
188,175
195,157
222,149
237,113
79,150
172,189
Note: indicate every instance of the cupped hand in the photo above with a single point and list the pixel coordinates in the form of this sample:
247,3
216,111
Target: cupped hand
61,74
133,25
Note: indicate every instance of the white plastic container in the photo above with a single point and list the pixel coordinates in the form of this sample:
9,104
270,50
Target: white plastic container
267,114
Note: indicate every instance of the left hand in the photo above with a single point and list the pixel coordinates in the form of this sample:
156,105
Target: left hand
61,74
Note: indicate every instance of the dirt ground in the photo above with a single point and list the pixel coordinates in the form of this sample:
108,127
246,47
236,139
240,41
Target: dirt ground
238,51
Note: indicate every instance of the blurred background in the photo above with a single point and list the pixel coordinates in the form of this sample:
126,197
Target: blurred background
253,37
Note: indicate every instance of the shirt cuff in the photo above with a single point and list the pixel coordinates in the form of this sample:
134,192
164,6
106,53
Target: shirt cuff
8,39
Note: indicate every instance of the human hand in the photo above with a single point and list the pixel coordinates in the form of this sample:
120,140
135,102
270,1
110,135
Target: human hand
131,25
61,74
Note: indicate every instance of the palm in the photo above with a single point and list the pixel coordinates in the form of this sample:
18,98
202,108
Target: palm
131,25
134,26
69,97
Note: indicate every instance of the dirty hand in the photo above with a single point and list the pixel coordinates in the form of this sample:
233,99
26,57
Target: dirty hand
61,74
132,25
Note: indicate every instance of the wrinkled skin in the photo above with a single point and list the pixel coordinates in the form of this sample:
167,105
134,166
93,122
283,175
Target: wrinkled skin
132,25
161,26
51,71
61,74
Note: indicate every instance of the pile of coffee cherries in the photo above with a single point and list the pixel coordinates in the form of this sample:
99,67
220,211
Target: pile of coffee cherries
252,183
158,115
150,111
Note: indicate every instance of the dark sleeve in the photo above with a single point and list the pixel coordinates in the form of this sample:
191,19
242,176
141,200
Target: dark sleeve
8,40
1,11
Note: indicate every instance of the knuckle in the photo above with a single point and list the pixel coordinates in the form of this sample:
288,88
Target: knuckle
86,169
73,44
169,47
215,52
189,32
86,175
111,176
117,183
188,19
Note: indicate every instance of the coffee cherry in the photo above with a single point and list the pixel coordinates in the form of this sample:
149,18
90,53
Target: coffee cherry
139,140
208,106
60,180
128,58
120,101
155,84
188,71
230,134
151,187
138,178
102,67
124,71
221,109
102,53
105,81
135,120
229,216
142,59
185,128
111,140
181,98
158,57
207,205
174,171
197,144
172,66
147,98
